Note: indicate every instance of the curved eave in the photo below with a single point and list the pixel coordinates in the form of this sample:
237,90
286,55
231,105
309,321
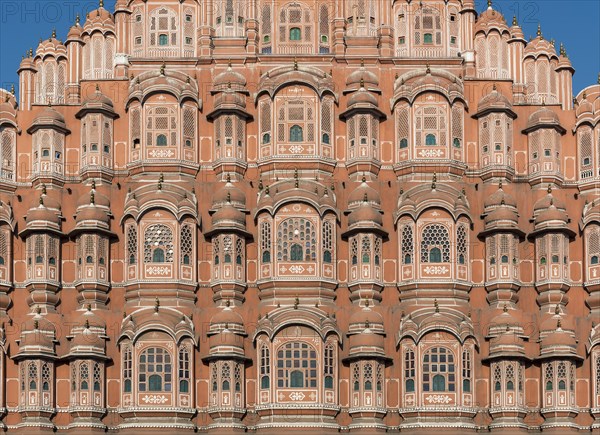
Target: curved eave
38,126
85,355
103,109
88,229
492,109
373,228
507,355
28,231
500,230
367,355
363,108
559,355
226,356
565,230
229,109
556,127
236,230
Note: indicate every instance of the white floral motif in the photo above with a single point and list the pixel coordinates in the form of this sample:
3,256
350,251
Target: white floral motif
430,153
436,270
297,396
155,399
439,399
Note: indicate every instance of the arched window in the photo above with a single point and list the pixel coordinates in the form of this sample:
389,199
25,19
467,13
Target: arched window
265,367
409,370
161,140
430,139
296,133
435,244
403,143
407,244
295,34
155,370
594,259
328,359
163,39
326,257
439,370
158,244
296,252
435,255
266,257
296,366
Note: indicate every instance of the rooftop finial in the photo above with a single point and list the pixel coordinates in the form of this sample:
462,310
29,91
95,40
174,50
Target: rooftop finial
549,189
366,198
428,69
539,31
505,308
92,198
362,82
500,185
156,305
101,3
598,79
562,50
53,33
367,324
436,305
494,87
162,69
12,89
228,197
31,52
77,20
41,200
229,63
43,189
296,302
228,178
364,178
89,307
295,64
558,324
489,4
515,22
433,182
557,309
93,184
87,324
362,61
97,88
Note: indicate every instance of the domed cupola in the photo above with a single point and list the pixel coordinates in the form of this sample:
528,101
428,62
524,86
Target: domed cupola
75,32
44,216
501,214
88,336
357,196
550,214
362,78
49,118
51,47
490,19
93,213
97,103
229,80
99,19
37,339
543,118
495,101
540,46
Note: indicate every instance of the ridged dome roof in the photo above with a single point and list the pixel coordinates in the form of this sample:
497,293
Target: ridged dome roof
362,97
502,214
228,213
490,19
229,79
362,75
498,198
365,213
357,196
229,193
543,117
494,101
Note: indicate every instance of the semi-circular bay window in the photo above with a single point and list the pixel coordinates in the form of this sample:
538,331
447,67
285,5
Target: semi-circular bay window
439,370
296,366
155,370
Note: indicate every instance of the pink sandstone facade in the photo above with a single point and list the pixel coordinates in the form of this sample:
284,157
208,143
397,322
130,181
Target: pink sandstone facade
312,216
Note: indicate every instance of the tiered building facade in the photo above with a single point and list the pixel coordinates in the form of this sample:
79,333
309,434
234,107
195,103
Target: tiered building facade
320,216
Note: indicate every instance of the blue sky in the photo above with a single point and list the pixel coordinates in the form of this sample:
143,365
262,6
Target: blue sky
576,23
